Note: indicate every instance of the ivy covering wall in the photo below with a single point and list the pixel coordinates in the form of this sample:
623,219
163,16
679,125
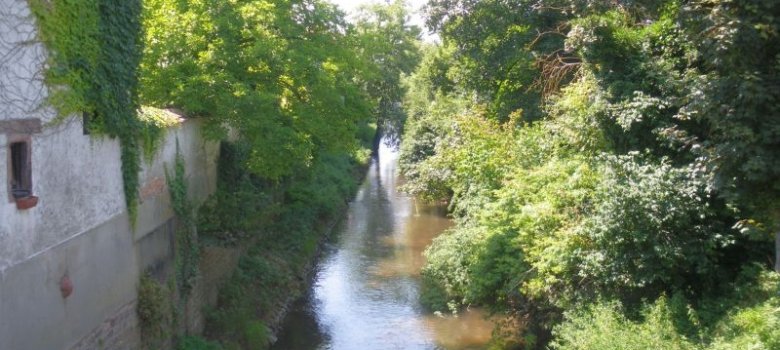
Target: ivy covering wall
94,50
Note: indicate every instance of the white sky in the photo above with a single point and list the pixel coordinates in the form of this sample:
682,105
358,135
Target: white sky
350,6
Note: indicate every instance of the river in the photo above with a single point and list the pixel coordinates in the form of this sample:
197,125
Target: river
365,293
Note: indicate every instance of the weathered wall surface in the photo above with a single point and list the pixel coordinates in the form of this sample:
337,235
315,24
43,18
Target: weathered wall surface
78,181
79,230
21,60
200,159
101,265
73,174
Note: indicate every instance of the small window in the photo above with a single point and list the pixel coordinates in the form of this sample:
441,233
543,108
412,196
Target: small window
21,176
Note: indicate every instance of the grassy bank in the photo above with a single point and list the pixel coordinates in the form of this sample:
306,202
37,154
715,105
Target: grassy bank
278,227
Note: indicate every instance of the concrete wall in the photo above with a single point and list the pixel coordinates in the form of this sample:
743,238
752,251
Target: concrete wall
74,175
79,230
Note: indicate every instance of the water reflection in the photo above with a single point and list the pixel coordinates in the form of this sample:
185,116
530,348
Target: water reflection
366,290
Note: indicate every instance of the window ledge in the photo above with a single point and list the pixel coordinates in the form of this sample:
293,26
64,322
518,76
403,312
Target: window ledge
25,203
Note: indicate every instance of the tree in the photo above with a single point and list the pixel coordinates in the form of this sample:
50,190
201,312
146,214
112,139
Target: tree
735,95
282,74
391,48
650,167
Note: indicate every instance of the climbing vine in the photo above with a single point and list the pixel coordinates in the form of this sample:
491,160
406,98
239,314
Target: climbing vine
94,52
187,250
152,133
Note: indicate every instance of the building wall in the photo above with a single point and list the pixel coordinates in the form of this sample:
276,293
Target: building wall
74,175
78,181
21,59
79,230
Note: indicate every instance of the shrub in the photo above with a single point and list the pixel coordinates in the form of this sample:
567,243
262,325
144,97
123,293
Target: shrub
154,311
748,317
257,335
651,225
604,327
197,343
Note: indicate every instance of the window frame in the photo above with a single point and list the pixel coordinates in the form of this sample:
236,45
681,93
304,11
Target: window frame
26,171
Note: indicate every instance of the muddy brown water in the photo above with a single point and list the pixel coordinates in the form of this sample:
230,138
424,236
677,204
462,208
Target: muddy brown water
365,293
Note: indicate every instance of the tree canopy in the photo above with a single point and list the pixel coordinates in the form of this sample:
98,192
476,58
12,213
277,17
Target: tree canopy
599,150
293,78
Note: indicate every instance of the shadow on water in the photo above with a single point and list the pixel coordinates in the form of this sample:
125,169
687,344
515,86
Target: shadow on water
365,293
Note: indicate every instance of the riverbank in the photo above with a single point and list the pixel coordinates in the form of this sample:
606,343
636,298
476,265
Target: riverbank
278,239
366,286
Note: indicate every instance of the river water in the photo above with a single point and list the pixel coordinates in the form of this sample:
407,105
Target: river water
366,288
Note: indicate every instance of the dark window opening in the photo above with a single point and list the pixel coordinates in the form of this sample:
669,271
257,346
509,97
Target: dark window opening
21,182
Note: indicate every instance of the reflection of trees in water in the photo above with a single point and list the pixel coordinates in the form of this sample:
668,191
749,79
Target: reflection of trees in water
391,127
378,213
373,263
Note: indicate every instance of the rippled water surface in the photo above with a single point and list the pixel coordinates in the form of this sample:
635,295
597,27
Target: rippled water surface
365,292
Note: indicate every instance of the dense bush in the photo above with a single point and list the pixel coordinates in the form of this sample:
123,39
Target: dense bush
651,226
604,327
624,177
155,311
281,231
747,318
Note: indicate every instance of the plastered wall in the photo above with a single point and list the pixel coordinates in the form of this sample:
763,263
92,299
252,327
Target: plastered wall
79,230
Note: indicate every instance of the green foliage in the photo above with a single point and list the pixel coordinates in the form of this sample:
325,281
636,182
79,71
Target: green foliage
645,172
74,54
187,249
197,343
257,335
390,46
433,296
424,134
449,271
750,328
244,202
154,311
279,83
241,202
497,44
154,123
282,230
288,77
603,326
734,95
650,225
747,319
94,52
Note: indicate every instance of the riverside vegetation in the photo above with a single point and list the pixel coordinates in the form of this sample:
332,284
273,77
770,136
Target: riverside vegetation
612,167
302,94
307,93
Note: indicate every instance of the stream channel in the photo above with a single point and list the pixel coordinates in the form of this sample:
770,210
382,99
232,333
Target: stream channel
366,286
